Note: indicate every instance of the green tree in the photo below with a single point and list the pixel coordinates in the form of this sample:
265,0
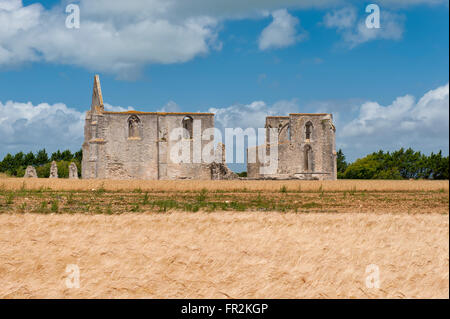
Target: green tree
7,165
56,156
41,157
438,166
78,156
363,168
341,163
66,156
29,159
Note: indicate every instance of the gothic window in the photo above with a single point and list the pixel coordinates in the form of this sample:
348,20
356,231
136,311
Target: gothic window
188,125
308,158
308,130
284,132
268,127
133,126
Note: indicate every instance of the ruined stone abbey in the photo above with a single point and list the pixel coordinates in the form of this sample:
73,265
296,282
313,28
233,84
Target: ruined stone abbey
136,145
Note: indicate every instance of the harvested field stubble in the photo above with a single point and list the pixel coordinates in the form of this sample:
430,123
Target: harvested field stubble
221,255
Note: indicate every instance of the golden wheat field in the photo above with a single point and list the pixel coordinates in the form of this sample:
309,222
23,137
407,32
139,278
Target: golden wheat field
252,185
237,239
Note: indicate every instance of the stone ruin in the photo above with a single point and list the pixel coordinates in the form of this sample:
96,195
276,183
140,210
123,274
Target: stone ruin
30,172
73,171
306,148
219,169
136,145
54,170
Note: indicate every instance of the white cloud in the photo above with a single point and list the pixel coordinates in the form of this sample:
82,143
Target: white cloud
361,128
404,123
355,32
281,32
121,37
117,44
25,127
340,19
252,114
170,106
112,108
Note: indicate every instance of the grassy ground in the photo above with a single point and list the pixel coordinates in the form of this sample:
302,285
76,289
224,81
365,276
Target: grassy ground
45,201
253,239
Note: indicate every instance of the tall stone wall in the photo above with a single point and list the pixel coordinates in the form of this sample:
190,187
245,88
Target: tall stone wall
307,152
137,145
195,168
110,151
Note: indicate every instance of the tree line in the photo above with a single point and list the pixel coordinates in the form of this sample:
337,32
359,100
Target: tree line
15,165
401,164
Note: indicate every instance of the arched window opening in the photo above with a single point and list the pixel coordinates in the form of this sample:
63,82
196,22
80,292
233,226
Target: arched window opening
188,125
308,130
284,132
268,127
308,158
133,126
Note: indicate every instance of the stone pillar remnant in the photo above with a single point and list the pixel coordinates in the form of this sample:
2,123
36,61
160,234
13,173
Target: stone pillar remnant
54,170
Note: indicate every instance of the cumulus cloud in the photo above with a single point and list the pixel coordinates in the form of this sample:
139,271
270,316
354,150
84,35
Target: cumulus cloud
25,127
281,32
362,128
121,37
118,44
170,106
252,114
341,19
404,123
355,32
112,108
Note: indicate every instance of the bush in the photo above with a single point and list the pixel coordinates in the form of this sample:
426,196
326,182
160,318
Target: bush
401,164
20,172
43,171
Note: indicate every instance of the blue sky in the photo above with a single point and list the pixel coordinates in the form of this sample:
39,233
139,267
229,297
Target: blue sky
216,58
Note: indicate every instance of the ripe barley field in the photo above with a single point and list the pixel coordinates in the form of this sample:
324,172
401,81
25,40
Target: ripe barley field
224,239
248,185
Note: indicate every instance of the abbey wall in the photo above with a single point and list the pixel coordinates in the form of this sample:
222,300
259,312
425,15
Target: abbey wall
140,145
305,145
136,145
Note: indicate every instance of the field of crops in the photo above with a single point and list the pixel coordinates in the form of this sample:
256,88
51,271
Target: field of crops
224,239
250,185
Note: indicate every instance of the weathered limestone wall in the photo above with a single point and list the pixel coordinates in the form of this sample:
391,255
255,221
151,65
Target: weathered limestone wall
110,152
122,156
193,169
301,156
281,123
136,145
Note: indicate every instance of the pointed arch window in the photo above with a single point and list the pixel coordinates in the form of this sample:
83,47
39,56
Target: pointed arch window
188,126
308,130
284,132
133,127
